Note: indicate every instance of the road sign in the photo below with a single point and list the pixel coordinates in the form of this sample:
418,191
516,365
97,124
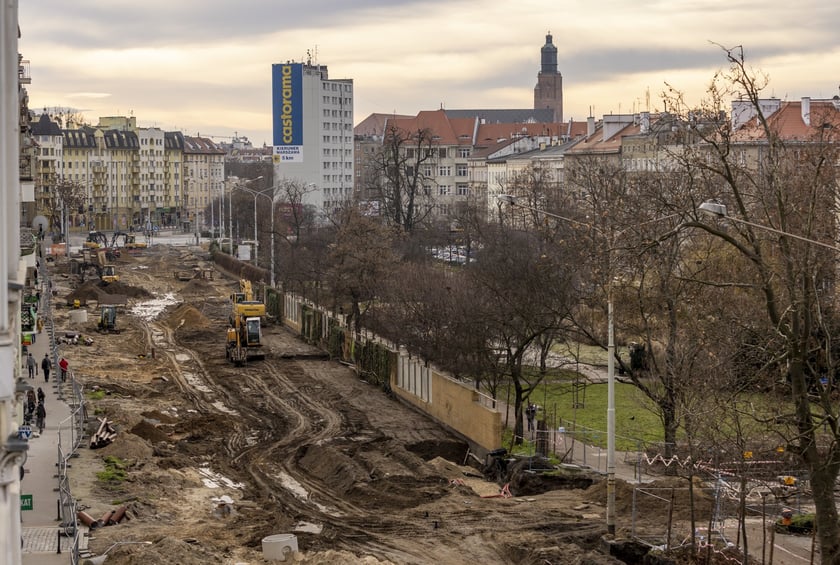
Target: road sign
26,502
24,432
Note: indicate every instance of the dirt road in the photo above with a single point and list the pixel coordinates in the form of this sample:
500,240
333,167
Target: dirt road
297,442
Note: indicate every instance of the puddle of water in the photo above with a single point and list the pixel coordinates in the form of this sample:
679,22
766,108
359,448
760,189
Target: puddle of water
308,527
151,309
222,408
195,382
182,357
300,492
212,479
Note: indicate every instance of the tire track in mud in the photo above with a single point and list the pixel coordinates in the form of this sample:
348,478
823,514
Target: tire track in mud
307,415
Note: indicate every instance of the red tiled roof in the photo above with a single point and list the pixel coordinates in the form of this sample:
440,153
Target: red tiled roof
788,124
374,124
596,143
467,131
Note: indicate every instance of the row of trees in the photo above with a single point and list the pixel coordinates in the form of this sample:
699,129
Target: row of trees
737,322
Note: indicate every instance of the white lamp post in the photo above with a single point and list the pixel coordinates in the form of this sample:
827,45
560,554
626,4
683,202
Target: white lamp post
719,210
610,347
255,194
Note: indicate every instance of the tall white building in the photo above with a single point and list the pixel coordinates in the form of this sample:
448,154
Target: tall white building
313,134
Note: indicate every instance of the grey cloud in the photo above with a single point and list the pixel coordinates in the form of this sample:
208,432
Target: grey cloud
115,24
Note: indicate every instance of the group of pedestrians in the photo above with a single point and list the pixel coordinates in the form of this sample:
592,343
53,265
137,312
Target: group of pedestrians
39,411
32,366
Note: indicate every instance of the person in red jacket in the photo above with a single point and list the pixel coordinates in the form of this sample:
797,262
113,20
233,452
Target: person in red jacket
63,364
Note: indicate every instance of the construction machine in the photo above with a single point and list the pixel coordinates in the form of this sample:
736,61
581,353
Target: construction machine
96,239
108,319
129,241
244,333
244,340
98,259
244,303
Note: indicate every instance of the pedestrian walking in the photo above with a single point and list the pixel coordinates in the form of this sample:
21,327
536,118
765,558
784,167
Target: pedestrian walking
29,409
530,414
46,366
41,417
32,365
41,394
63,365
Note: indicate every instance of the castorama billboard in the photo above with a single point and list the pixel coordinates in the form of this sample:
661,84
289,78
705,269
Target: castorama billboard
287,104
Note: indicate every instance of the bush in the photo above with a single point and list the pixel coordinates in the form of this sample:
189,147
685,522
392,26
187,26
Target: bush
799,524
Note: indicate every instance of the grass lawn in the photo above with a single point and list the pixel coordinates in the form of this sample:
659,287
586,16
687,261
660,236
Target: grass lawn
635,420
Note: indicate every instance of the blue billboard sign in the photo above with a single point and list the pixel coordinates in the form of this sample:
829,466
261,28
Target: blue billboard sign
287,105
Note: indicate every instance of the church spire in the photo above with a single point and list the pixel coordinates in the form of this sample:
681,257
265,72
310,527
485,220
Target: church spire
549,56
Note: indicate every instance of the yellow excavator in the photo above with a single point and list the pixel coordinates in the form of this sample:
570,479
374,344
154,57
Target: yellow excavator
245,331
244,303
244,340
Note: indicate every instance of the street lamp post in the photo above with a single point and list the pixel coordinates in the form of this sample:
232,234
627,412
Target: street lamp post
719,211
254,193
510,199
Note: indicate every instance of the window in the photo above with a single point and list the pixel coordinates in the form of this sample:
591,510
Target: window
444,190
442,152
462,189
409,153
461,170
463,152
427,170
445,171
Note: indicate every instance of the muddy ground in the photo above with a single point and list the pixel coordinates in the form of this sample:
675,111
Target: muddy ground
296,441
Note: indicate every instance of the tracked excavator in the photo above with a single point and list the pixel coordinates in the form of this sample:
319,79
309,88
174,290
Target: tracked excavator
245,331
129,241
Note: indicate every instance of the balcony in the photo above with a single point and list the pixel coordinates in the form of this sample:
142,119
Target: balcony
23,72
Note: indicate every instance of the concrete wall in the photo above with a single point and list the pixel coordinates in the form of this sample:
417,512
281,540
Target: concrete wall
457,406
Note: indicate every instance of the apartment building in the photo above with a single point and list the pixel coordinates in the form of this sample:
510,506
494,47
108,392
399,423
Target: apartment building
17,262
204,178
117,175
313,133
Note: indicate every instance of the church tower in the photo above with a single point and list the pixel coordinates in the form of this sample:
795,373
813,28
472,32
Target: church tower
549,90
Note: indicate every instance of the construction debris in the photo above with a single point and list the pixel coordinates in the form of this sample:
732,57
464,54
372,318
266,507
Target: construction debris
110,518
104,435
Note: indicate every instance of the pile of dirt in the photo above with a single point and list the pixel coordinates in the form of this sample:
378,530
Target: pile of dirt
186,316
654,498
149,432
87,291
126,290
197,287
534,475
128,447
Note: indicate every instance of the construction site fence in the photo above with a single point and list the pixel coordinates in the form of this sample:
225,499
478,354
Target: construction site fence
70,430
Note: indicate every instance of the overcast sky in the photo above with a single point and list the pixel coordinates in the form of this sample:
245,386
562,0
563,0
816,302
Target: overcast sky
205,66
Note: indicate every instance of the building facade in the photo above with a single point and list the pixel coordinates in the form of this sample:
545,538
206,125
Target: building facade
325,164
204,178
117,176
17,262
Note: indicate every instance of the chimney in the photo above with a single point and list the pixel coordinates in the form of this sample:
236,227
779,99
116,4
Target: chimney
806,110
590,126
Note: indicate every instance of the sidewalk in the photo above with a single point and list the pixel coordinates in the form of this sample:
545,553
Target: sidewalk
43,542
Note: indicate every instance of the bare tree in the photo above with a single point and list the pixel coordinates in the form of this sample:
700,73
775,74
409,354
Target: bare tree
360,259
400,177
69,196
789,185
